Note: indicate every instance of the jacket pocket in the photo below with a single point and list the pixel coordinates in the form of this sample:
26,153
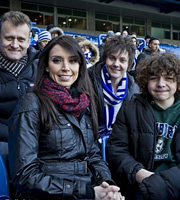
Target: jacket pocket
65,136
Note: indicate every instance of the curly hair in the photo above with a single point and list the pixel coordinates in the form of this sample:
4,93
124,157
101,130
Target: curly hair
155,65
118,43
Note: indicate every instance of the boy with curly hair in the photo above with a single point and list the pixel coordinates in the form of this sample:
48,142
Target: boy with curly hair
143,150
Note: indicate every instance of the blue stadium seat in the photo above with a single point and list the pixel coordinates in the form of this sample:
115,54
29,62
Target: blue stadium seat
4,182
103,146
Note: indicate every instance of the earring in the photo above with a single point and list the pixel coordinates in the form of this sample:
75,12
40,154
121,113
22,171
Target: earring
47,70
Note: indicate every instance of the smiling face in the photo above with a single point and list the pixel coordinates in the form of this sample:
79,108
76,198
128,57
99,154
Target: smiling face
63,67
162,88
117,65
14,40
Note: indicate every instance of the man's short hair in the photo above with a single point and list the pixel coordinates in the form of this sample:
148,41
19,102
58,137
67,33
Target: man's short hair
152,39
16,18
147,37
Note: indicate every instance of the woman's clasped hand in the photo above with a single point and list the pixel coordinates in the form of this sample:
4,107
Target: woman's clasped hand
107,192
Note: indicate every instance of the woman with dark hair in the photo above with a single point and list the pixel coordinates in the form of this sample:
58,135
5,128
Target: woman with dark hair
52,132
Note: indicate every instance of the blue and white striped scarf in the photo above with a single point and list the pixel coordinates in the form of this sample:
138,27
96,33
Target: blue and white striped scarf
112,101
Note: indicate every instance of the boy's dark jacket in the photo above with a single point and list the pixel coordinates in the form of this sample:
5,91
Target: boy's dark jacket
137,136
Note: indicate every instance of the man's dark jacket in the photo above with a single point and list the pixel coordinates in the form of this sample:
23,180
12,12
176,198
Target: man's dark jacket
12,89
147,53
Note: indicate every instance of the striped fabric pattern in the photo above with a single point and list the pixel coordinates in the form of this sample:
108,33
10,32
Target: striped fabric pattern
13,67
112,100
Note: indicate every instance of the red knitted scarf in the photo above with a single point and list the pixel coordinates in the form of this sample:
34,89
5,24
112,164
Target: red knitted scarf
63,99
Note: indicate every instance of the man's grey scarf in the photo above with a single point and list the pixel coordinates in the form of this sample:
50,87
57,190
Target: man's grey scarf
13,67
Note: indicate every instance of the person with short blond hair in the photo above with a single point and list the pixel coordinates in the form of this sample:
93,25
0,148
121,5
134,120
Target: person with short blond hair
18,64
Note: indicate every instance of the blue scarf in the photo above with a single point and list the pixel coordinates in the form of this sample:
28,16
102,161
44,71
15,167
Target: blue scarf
87,55
111,100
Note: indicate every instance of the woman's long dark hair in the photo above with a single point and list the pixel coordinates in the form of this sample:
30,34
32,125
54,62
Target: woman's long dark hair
49,114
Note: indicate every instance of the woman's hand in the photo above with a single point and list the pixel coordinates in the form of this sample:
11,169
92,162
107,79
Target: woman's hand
142,174
107,192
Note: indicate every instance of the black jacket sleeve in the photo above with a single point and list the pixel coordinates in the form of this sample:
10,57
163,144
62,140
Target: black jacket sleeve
163,185
119,158
98,167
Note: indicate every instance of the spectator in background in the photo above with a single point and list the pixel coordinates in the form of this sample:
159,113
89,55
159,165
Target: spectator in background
133,35
112,84
143,43
110,34
90,50
52,153
151,49
118,33
134,41
32,36
18,65
147,38
143,150
125,33
50,26
43,38
56,31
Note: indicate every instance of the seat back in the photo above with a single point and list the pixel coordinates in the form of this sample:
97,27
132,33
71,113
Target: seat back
103,146
4,181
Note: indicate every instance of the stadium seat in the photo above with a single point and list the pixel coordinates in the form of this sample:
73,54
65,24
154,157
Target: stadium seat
4,182
103,146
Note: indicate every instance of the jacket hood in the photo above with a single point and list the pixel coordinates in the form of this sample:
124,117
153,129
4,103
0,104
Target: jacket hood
56,29
95,51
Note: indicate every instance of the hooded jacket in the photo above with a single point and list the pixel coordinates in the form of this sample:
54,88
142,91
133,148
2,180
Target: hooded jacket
131,147
56,29
63,163
95,51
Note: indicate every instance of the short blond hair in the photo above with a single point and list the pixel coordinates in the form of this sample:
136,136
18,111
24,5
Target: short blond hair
16,18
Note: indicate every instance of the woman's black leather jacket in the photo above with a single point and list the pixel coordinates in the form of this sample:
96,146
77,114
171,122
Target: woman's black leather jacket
63,163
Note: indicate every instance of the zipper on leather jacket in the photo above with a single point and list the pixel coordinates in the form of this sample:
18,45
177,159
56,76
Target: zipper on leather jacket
18,84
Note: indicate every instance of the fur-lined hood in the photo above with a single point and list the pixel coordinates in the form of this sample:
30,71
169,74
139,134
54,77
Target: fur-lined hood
95,51
56,29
